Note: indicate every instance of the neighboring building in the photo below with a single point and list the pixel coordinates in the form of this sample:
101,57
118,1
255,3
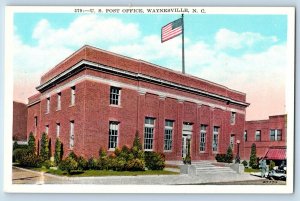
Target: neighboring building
269,137
96,98
19,121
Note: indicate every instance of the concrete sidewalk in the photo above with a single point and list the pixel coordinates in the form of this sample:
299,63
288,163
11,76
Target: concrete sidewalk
24,176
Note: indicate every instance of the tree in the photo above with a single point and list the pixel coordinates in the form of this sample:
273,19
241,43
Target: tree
253,158
137,142
272,165
102,153
31,143
44,147
229,155
137,148
15,145
58,151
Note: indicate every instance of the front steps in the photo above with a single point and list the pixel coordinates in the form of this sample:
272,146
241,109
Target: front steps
205,167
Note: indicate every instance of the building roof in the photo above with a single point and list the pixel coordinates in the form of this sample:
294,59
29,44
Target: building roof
273,117
139,69
276,154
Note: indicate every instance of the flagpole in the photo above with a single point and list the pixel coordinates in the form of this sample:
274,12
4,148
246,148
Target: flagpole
183,69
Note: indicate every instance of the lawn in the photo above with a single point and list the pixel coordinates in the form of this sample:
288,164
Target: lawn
101,173
249,170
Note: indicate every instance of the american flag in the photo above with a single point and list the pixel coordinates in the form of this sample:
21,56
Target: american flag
171,30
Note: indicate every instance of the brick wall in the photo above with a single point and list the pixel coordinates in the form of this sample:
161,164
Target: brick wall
274,122
92,114
19,121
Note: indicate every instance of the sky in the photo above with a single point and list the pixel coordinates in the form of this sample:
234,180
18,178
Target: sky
243,52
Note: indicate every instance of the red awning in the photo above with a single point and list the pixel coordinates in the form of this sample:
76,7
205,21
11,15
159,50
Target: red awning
276,154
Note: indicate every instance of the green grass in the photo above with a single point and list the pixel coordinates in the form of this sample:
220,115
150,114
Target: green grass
249,170
90,173
101,173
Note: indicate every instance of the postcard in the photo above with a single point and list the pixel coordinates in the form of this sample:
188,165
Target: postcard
149,99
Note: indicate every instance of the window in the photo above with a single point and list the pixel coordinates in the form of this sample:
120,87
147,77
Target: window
215,138
245,136
257,135
275,135
72,134
148,135
232,139
279,135
48,105
113,134
58,101
232,118
168,135
73,95
115,96
202,137
57,129
47,129
35,121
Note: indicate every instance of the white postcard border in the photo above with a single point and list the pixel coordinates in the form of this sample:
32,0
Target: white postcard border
89,188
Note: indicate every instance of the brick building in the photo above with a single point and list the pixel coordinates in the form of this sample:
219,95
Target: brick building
96,98
269,137
19,121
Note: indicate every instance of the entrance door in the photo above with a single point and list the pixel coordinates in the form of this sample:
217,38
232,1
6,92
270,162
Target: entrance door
186,148
186,138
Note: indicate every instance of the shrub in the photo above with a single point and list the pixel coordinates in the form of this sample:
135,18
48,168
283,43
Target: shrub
69,164
220,157
137,142
117,151
48,164
117,164
73,156
44,147
139,154
245,163
137,147
30,160
82,163
58,151
111,161
135,165
125,151
31,143
187,160
102,153
253,159
92,163
18,154
102,163
19,146
154,161
131,157
15,145
229,155
272,165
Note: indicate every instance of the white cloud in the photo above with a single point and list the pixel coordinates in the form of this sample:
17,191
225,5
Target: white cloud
229,39
88,29
151,49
